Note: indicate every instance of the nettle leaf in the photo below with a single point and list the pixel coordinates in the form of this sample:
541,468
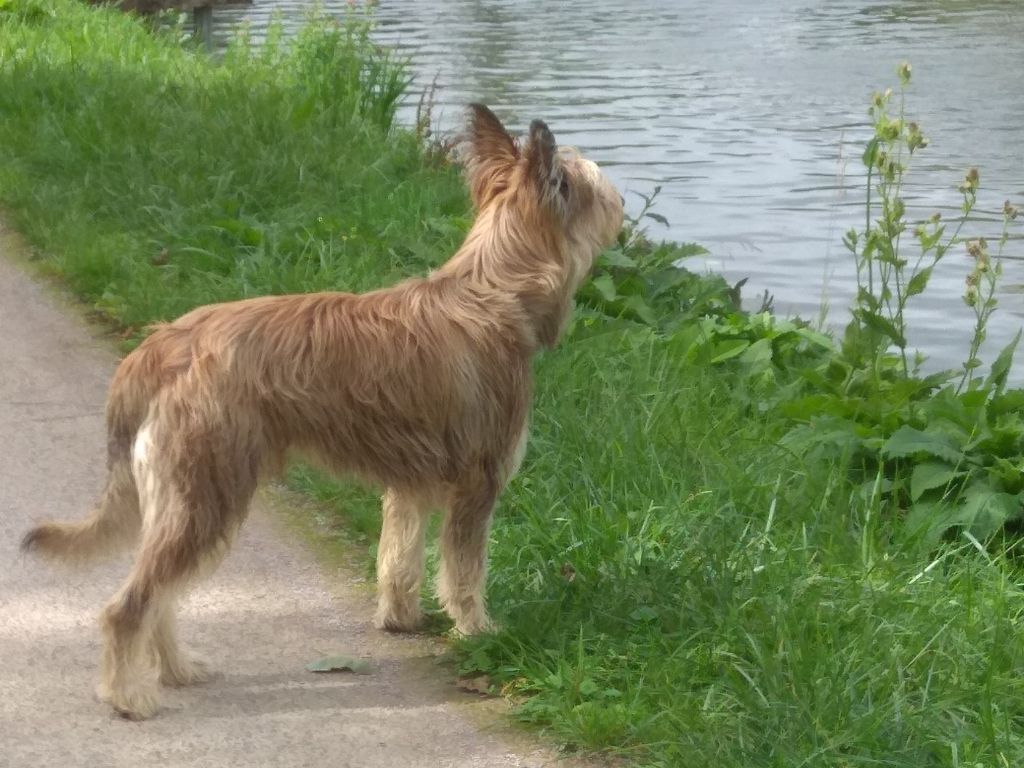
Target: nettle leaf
1007,474
832,437
985,510
758,355
1008,402
615,257
642,309
867,490
606,287
929,520
816,338
929,475
644,613
907,441
725,350
657,217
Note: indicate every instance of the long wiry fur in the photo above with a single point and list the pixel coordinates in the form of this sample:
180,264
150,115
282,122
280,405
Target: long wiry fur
423,388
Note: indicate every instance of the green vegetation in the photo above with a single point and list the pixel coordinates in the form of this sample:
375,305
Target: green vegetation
155,180
734,541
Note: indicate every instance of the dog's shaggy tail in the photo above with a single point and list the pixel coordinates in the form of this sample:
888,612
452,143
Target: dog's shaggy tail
115,521
113,524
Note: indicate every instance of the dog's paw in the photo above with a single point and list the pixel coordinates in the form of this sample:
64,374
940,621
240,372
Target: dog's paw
132,702
103,692
390,619
473,625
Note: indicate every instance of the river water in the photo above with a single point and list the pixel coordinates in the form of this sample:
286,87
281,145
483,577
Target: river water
751,116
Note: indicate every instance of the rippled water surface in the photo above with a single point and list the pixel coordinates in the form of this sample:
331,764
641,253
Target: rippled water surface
750,115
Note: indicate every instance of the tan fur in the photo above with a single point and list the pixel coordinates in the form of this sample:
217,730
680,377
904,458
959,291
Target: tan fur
423,388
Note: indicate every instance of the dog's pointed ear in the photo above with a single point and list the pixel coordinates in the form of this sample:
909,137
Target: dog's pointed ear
544,166
488,138
490,154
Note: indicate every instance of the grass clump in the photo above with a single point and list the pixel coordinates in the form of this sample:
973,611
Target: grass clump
709,558
181,181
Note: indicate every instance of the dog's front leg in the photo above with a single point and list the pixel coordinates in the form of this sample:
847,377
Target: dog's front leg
463,571
400,562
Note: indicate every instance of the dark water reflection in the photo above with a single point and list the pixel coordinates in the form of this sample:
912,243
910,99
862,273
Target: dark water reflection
750,115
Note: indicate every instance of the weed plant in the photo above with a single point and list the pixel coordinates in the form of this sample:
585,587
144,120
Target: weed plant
708,558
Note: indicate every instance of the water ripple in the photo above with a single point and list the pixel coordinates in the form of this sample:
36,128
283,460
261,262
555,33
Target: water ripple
750,115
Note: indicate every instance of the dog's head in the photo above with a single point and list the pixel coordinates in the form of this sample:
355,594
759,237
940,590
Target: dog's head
556,190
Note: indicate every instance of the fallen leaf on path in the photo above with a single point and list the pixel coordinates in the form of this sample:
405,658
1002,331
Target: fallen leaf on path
340,664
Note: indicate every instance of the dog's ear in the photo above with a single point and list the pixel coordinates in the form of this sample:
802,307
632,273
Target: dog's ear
490,154
545,168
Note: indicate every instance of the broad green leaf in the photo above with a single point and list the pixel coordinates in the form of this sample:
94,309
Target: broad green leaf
725,350
615,257
985,510
866,491
816,338
1007,474
931,474
907,441
930,240
758,355
1001,367
832,438
867,299
871,153
919,282
644,613
642,309
606,287
340,664
883,326
929,520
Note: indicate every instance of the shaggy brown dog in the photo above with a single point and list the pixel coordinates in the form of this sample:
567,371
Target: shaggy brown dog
423,388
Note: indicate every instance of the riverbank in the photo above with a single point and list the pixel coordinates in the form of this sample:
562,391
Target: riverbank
706,558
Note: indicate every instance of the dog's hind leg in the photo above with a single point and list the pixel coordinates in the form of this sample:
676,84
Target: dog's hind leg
141,648
177,666
463,572
131,656
400,562
193,494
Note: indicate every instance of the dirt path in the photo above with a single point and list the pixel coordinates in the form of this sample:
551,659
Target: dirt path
267,612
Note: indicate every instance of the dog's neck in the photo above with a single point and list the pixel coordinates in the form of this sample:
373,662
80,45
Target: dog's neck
526,258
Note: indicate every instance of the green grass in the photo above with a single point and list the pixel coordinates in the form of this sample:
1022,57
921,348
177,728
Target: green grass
180,182
674,584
